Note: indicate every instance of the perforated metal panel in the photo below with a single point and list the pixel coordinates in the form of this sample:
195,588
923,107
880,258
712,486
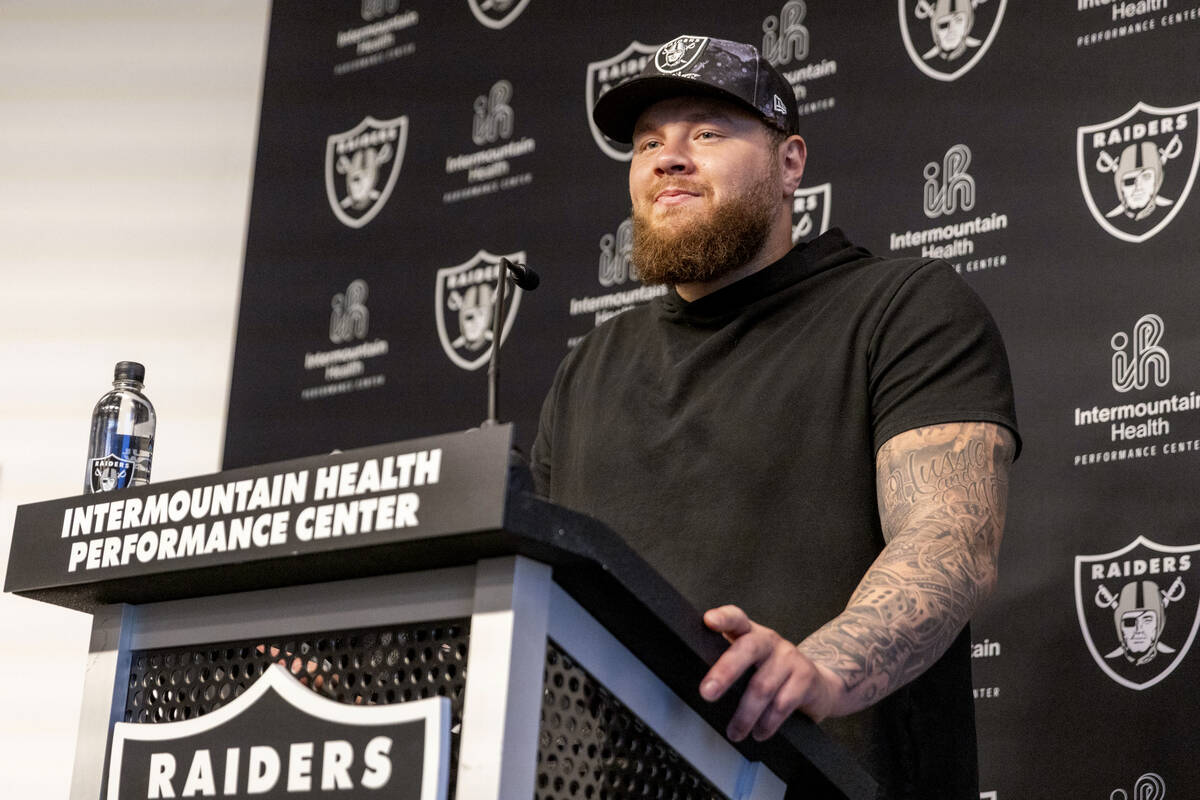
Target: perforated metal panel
591,747
367,666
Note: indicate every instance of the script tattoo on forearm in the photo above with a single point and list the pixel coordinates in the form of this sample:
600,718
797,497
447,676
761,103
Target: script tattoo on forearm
942,492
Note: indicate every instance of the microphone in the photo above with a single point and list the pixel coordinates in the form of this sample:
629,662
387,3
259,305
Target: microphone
527,279
522,275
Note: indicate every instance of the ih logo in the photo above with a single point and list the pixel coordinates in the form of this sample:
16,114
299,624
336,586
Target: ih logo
350,317
945,38
493,115
1137,609
497,14
1149,786
111,472
604,75
948,187
465,305
1137,170
810,211
361,167
785,38
616,256
1136,363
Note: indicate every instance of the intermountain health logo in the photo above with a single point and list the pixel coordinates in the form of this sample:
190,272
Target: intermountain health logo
949,196
349,319
616,256
810,211
1138,426
465,303
946,38
361,168
497,14
604,75
1136,171
1138,609
787,44
1148,786
490,169
1141,360
343,368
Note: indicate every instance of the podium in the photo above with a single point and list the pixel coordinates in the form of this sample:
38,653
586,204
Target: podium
550,661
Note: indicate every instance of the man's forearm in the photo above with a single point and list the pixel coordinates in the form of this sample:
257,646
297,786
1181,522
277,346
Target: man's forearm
942,493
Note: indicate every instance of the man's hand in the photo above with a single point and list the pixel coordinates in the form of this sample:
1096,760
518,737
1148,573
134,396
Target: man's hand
785,680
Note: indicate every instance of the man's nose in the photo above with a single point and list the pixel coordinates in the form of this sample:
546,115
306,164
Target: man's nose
673,158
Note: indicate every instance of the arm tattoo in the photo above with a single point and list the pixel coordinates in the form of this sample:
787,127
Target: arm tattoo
942,495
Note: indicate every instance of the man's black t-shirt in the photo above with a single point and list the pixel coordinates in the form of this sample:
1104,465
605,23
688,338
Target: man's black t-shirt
731,441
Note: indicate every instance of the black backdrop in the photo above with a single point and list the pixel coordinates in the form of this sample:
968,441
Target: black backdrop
405,144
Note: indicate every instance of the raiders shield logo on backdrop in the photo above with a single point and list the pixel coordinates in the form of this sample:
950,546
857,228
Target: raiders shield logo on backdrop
1137,170
1138,609
361,167
604,75
497,14
946,38
810,211
465,304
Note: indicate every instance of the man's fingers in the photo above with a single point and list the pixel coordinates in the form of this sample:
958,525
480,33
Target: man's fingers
792,694
745,652
729,620
759,697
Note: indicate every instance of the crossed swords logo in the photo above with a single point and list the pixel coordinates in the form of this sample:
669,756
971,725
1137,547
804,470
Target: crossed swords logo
1106,163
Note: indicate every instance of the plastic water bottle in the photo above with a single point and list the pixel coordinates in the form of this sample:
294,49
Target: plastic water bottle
122,438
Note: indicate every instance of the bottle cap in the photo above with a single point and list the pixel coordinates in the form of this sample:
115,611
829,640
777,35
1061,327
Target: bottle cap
129,371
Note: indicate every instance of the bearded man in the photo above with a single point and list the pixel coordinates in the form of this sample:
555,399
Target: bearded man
811,442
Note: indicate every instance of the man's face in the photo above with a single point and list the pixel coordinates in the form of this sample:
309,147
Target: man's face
706,188
1139,629
950,30
1137,187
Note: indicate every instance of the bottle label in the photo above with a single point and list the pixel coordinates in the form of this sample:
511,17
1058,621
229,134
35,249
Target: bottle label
127,463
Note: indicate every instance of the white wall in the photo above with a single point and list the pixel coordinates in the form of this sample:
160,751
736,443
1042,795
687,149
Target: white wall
127,136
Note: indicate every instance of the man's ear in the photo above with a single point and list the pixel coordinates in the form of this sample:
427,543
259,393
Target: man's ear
793,153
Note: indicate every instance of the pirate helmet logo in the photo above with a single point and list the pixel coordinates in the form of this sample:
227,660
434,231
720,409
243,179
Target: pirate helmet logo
810,211
1139,634
466,303
361,168
110,472
604,75
946,38
1136,171
679,53
497,14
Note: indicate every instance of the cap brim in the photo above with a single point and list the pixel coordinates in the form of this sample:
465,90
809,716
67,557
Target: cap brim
618,109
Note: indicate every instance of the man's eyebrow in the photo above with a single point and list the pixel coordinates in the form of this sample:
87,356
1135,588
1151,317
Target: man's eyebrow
691,116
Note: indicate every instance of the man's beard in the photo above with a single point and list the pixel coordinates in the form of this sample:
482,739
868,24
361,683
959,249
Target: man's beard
708,248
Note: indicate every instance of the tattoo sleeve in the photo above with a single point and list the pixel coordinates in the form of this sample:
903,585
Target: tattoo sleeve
942,494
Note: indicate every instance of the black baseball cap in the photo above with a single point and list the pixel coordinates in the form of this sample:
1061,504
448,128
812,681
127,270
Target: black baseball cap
700,65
